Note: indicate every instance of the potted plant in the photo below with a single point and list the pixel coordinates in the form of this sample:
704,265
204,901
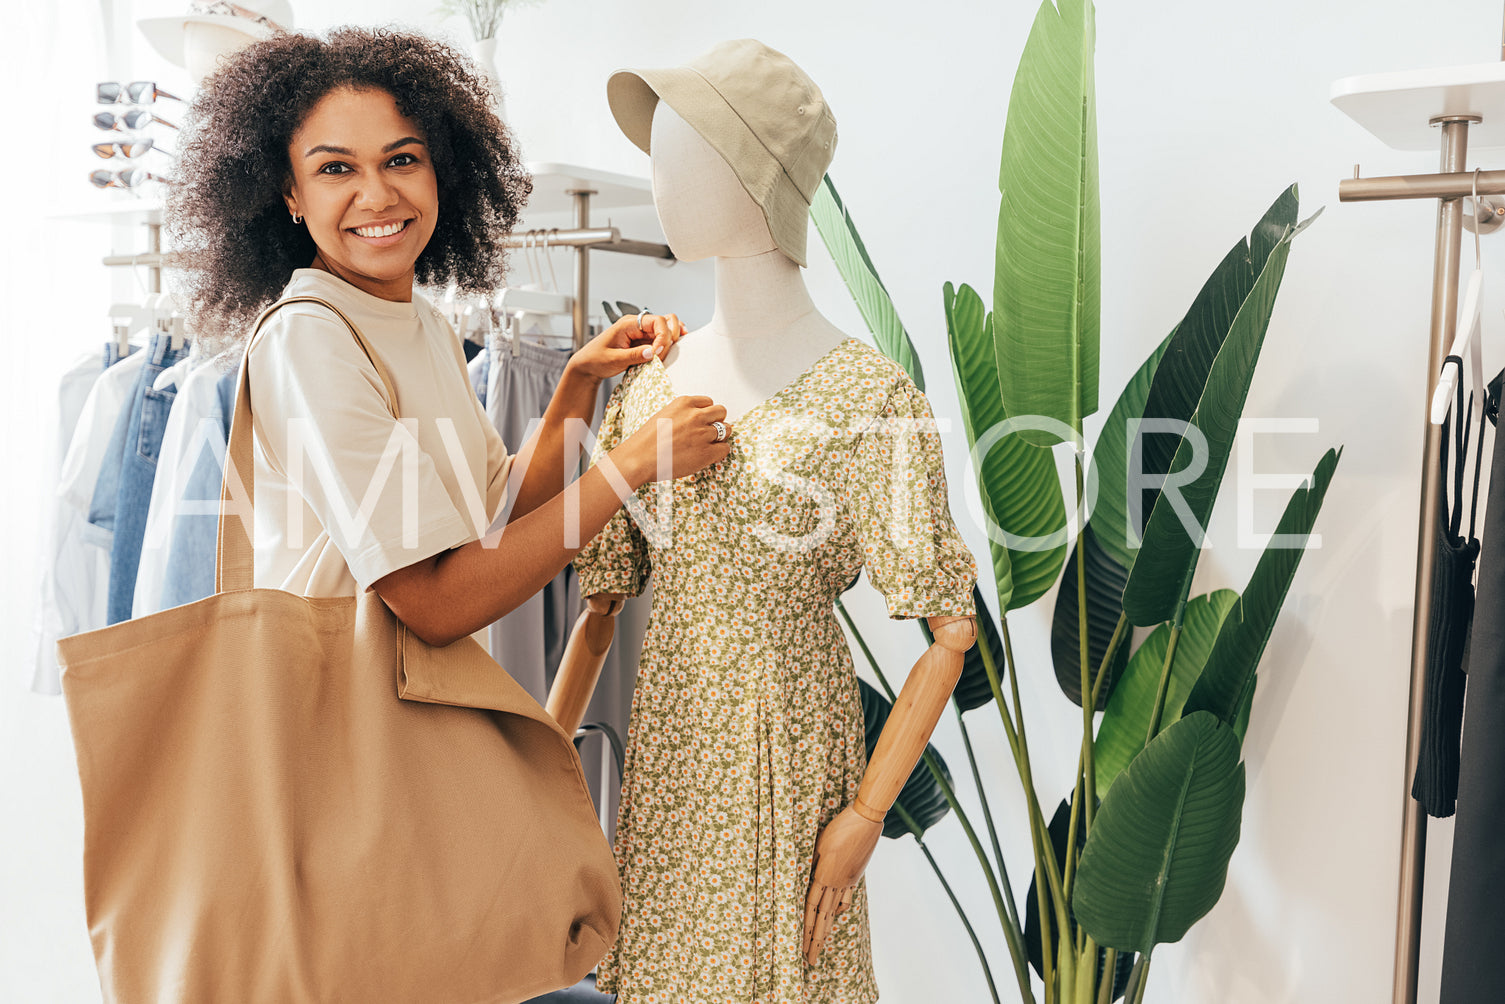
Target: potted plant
1138,851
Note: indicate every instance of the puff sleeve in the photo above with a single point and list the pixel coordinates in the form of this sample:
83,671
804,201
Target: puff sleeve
616,560
897,502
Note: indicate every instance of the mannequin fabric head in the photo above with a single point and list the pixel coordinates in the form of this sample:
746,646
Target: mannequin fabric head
702,206
756,108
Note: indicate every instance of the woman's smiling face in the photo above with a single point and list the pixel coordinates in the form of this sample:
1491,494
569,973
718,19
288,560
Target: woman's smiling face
364,183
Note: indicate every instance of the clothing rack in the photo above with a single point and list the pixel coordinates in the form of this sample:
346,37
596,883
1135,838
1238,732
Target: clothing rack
1402,109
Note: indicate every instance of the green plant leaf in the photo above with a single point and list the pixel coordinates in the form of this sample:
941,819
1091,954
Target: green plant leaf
1178,387
921,797
1162,570
1126,721
1157,857
857,270
1227,680
1110,463
972,688
1020,492
1105,591
1107,559
1047,268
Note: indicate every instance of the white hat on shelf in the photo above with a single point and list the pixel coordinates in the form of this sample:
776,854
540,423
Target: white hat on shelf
256,18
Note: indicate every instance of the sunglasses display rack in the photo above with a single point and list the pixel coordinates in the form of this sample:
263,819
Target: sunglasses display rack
124,139
1404,111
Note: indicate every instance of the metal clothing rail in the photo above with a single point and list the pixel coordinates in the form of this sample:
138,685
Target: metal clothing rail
1449,187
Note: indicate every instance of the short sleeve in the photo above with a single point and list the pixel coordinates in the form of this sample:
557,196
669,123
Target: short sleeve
616,560
322,420
898,505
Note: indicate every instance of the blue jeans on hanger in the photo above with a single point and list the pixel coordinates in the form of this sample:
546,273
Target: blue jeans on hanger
102,503
144,421
195,536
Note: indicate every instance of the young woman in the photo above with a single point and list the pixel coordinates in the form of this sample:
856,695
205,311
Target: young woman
350,167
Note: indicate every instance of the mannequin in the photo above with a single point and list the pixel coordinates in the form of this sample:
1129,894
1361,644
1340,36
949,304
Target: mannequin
765,333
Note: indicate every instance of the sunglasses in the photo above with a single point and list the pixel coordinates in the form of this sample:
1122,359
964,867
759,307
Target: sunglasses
129,121
131,177
141,92
130,149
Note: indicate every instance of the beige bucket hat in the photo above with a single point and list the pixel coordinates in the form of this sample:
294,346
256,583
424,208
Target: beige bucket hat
758,110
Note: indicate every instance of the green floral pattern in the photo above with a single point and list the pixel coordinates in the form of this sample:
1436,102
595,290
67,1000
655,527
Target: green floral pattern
746,734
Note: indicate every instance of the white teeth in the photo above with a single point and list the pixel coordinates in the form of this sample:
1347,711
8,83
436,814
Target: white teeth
385,231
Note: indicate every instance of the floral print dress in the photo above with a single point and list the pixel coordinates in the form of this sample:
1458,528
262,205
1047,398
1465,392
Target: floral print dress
746,734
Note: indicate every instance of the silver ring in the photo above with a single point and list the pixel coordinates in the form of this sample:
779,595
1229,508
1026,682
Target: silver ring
641,314
720,430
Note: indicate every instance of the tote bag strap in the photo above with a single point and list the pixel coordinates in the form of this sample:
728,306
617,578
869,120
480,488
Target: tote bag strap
235,565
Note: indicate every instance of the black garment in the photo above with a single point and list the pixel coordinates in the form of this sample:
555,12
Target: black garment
1452,613
1473,966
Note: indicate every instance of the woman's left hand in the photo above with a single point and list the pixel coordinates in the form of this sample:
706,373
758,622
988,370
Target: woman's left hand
625,344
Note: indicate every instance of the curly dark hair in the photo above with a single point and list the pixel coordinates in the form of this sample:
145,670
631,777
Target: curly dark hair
225,212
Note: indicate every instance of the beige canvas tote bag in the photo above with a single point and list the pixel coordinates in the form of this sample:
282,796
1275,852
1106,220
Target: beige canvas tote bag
266,820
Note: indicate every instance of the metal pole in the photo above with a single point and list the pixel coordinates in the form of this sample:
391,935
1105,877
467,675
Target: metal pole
1444,321
582,264
154,247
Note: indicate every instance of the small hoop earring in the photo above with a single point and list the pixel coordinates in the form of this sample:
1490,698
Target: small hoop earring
297,218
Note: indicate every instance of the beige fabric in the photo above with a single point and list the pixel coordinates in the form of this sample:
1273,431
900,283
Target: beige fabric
265,819
758,109
313,383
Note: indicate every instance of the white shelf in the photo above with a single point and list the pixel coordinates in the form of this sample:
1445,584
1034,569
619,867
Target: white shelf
552,183
1398,107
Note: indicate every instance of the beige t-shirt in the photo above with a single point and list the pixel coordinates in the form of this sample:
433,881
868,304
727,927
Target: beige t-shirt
345,493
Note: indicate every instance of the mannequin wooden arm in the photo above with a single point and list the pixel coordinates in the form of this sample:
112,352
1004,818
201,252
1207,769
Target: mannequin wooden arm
845,845
914,716
580,667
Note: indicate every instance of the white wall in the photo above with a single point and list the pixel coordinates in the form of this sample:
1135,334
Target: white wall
1206,112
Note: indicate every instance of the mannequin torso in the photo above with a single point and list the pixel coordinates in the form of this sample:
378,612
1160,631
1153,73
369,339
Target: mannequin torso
765,330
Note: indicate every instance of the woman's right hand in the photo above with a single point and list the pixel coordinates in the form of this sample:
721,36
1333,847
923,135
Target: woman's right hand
692,441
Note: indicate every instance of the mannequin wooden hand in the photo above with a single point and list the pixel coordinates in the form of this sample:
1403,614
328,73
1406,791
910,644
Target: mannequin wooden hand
842,852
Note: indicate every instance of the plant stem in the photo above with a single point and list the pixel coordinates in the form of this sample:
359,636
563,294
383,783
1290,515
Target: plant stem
1110,976
987,816
1089,694
1045,856
1165,679
1086,978
1137,981
1024,987
1071,834
1119,634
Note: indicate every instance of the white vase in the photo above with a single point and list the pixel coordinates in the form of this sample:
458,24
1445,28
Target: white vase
483,51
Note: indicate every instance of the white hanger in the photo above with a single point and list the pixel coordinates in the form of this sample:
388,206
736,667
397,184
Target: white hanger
1467,340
